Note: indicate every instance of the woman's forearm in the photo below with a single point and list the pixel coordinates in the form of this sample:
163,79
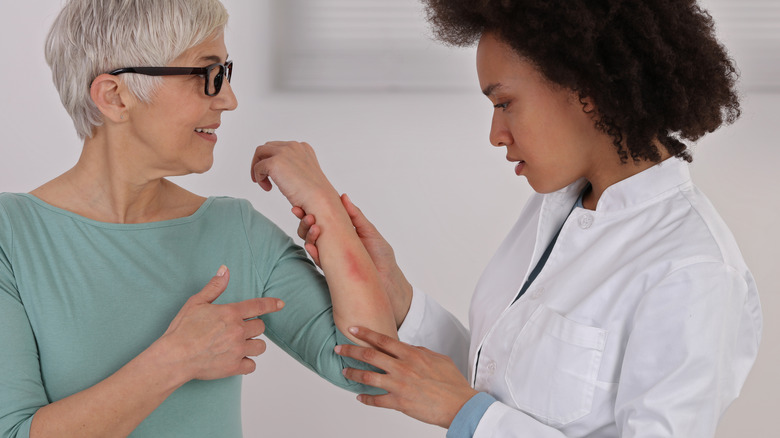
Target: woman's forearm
115,406
394,282
355,286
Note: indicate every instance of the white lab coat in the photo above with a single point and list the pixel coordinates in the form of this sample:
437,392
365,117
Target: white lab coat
644,322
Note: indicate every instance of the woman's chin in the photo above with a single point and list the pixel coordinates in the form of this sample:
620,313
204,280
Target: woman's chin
195,168
203,169
205,165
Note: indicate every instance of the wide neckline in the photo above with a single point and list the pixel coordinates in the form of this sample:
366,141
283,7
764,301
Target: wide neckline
112,225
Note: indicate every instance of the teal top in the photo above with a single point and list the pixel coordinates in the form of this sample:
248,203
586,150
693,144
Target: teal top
80,298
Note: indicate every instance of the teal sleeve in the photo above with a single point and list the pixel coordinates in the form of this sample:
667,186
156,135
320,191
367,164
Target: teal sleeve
304,328
21,385
465,422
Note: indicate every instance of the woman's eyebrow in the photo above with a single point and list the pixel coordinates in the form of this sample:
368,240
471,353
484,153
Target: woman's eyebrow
212,58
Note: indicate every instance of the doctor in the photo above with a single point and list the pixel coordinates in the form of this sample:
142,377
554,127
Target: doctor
619,304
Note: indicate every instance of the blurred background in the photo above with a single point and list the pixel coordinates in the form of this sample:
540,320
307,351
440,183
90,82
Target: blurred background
399,123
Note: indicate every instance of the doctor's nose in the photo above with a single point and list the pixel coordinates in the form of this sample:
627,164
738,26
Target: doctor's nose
499,133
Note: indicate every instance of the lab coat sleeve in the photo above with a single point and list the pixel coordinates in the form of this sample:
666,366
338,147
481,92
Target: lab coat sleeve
501,421
694,338
429,325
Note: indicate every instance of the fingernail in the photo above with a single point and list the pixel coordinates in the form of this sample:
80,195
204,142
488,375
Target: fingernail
279,304
337,350
222,270
353,330
344,371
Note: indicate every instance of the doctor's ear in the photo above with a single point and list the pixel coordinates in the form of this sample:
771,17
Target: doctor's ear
587,104
109,95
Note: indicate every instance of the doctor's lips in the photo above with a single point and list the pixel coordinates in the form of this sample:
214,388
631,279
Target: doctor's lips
519,166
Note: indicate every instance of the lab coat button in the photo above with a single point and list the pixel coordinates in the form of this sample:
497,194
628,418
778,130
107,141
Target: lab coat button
536,293
491,367
586,220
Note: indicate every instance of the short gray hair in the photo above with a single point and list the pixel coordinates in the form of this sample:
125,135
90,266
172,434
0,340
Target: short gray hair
91,37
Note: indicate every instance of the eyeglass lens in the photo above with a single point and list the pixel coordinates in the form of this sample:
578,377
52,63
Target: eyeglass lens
216,75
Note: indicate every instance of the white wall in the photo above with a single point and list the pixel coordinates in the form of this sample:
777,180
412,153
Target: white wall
421,167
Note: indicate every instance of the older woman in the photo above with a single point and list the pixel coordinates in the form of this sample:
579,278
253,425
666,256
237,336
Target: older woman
619,305
106,328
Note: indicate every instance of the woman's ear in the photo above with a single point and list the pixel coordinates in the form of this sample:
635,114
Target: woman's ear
106,92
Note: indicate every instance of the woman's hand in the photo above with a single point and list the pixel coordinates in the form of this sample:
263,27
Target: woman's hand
294,168
204,341
395,284
212,341
419,382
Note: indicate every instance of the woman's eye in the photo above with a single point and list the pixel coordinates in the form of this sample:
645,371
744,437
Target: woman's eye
501,105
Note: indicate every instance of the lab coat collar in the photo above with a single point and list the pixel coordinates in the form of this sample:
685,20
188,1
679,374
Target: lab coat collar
622,195
645,185
555,208
631,191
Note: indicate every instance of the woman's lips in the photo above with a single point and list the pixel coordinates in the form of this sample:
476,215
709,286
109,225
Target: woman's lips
519,168
210,137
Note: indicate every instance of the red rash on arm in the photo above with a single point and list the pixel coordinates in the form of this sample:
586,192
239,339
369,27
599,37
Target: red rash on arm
354,268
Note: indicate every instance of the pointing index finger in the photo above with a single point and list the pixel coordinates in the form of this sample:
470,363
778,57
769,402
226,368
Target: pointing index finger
260,306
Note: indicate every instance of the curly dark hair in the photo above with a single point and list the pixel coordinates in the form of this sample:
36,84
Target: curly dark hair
653,68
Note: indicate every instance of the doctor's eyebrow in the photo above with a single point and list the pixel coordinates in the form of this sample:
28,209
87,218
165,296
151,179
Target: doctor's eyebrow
491,89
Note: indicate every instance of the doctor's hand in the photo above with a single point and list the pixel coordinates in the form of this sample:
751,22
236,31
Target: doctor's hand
293,166
395,284
420,383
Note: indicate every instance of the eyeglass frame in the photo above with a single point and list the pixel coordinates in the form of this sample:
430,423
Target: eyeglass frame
226,70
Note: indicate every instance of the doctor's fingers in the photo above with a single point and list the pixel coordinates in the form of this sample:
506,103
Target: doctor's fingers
369,355
386,344
307,221
369,378
313,252
387,401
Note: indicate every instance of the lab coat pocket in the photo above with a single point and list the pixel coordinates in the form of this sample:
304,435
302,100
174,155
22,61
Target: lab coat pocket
553,366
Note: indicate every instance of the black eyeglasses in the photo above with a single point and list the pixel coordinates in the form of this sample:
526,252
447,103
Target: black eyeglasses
213,75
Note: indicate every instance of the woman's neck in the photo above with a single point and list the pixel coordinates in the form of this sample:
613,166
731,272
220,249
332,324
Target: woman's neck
107,186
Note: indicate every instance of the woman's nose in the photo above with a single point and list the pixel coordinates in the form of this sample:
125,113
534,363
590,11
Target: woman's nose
226,100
